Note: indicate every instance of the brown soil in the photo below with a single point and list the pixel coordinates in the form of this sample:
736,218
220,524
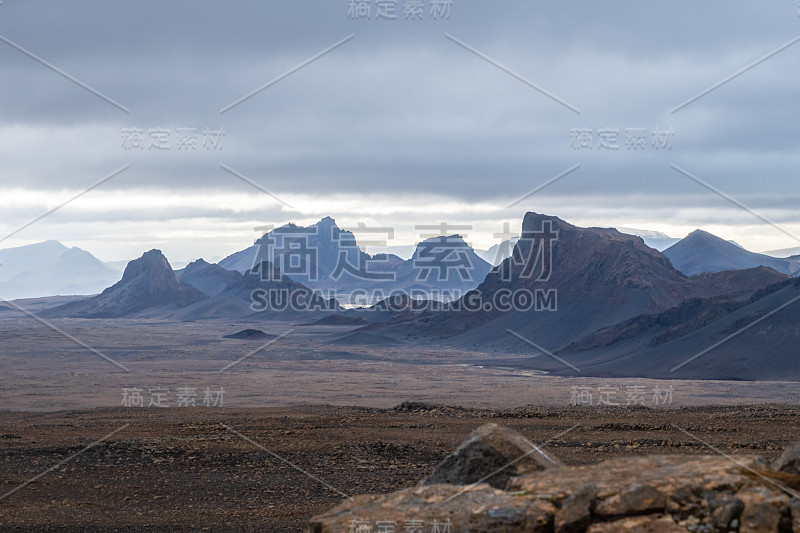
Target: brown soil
185,469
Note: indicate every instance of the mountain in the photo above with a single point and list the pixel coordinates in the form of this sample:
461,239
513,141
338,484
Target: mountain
785,252
442,268
703,252
328,259
148,286
578,280
207,278
715,338
31,258
309,255
653,239
261,293
51,269
402,251
499,252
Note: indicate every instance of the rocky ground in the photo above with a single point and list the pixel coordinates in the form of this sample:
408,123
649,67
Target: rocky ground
272,469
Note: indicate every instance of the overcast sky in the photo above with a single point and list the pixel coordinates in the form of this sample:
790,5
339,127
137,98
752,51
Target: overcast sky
397,126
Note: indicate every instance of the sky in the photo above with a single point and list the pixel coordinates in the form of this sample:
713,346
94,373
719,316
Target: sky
399,123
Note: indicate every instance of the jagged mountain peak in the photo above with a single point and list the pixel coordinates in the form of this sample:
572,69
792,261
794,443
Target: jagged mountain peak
151,264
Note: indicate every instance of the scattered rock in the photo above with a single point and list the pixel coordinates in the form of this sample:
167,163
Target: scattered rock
576,511
789,461
760,518
724,508
491,454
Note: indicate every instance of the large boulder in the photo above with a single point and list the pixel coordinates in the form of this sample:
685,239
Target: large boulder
669,493
492,454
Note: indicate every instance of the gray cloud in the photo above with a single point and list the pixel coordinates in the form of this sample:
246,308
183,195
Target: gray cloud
401,110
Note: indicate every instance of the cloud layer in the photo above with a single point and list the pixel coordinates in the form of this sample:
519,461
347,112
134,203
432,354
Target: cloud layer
399,125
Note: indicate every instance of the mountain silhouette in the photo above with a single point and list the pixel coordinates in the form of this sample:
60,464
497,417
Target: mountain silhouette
701,252
148,285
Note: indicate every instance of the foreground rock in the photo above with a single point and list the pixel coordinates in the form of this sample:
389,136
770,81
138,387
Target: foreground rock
789,461
632,494
437,508
492,454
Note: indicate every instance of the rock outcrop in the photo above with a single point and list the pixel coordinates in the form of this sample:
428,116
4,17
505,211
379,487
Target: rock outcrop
491,454
667,493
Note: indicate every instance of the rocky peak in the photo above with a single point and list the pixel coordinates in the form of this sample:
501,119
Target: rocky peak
153,265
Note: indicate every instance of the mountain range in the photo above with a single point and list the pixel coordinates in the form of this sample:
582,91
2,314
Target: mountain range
599,276
701,252
328,259
52,269
610,304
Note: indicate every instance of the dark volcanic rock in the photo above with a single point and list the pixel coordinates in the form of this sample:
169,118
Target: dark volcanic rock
250,334
491,454
595,277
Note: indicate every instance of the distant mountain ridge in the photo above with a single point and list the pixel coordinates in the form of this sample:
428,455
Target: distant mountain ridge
702,252
654,239
50,269
325,257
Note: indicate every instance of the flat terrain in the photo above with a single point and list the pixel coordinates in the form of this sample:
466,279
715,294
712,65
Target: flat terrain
45,370
270,469
290,427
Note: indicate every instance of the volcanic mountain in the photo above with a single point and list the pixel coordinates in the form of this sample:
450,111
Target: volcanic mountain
207,278
261,293
148,285
711,338
327,258
308,254
584,278
703,252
